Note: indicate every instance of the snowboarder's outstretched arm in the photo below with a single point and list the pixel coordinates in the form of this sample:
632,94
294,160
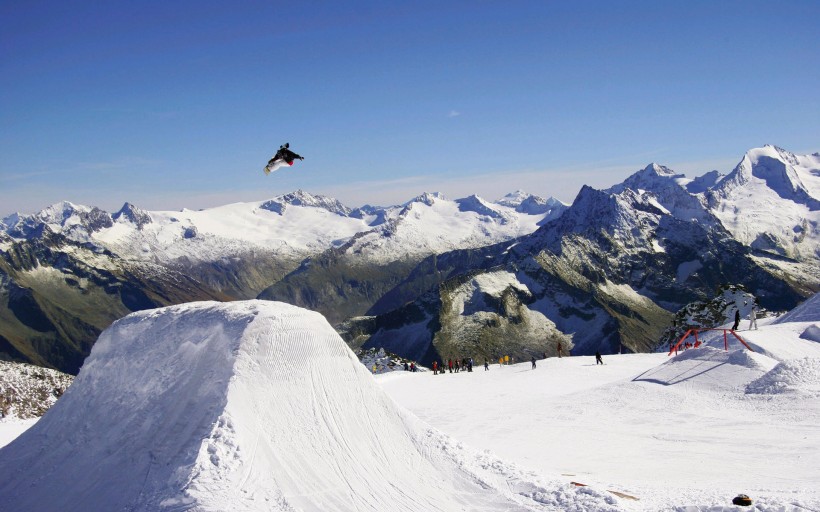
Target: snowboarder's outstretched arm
289,156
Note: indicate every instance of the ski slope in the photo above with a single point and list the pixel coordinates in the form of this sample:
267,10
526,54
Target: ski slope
260,406
687,432
246,406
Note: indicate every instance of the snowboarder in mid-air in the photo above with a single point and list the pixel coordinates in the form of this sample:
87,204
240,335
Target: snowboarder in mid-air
282,157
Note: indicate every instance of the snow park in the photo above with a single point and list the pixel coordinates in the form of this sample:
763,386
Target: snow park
428,256
260,405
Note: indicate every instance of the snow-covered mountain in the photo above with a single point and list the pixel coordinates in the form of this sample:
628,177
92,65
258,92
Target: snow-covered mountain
68,271
771,202
292,225
347,280
610,271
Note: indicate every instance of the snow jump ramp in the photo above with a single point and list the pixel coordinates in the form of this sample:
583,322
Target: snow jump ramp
240,406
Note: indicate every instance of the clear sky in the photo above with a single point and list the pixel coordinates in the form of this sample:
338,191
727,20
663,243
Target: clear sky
172,104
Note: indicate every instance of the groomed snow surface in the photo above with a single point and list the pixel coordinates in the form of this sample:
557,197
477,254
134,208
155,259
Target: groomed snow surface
260,406
250,406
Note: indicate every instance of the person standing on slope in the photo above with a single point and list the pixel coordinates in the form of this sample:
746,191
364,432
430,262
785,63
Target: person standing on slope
533,362
737,319
598,359
753,318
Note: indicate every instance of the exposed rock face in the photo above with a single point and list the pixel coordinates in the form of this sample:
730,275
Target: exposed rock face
28,391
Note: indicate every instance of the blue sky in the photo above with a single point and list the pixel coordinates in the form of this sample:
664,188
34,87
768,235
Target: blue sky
180,104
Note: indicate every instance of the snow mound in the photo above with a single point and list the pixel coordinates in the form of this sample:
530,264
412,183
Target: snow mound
812,333
794,376
243,406
710,368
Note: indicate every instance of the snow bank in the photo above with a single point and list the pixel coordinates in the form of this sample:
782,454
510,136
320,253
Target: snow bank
708,367
811,333
245,406
795,376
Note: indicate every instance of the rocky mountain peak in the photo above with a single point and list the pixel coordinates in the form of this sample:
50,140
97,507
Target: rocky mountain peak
305,199
514,199
660,170
59,213
132,214
531,204
653,177
478,205
427,198
75,221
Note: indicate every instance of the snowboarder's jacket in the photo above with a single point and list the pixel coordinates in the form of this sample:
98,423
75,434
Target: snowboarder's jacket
286,154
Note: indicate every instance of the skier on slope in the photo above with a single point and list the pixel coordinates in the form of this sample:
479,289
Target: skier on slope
598,359
737,319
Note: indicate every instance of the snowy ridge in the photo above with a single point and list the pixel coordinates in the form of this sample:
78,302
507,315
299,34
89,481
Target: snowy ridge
431,224
533,205
302,198
253,406
300,224
294,225
668,190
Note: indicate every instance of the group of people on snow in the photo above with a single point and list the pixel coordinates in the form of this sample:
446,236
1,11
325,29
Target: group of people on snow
466,364
455,365
752,318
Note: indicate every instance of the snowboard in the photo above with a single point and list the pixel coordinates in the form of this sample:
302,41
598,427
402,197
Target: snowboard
273,166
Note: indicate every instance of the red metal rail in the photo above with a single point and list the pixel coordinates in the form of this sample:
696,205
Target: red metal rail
726,333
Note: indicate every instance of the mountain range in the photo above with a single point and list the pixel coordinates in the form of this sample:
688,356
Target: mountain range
432,278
